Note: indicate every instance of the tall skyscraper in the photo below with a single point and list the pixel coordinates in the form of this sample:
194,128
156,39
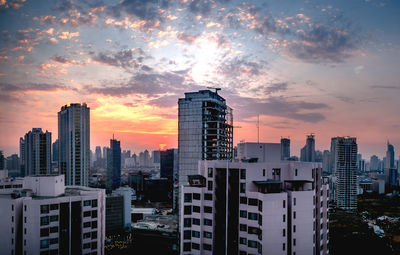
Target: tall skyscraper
374,163
2,162
346,173
55,151
307,153
333,154
390,156
74,143
285,148
22,155
37,153
98,152
326,164
113,165
205,131
168,163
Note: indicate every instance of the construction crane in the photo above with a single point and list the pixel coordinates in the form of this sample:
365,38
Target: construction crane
216,89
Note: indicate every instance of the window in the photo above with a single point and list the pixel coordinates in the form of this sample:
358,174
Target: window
187,197
252,244
243,227
294,241
207,222
94,234
295,172
186,247
196,234
243,188
44,220
86,235
283,246
196,196
86,203
94,224
25,208
196,221
210,185
207,234
12,207
253,202
243,240
243,174
44,244
53,240
12,218
243,214
210,172
294,228
44,232
207,209
94,204
283,232
196,209
53,207
243,253
86,224
12,230
263,172
44,209
253,216
284,218
294,201
94,214
187,223
187,235
86,214
253,230
260,206
260,219
243,200
294,215
284,203
207,247
94,245
53,218
86,246
195,246
207,196
187,210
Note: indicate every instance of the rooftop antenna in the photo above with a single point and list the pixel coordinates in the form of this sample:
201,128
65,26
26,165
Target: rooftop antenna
216,89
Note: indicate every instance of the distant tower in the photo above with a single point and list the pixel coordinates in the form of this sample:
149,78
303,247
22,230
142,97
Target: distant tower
307,153
390,156
98,152
22,155
114,165
74,143
346,172
37,155
285,148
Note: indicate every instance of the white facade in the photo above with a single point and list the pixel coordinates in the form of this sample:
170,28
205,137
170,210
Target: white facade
47,217
272,208
127,193
264,152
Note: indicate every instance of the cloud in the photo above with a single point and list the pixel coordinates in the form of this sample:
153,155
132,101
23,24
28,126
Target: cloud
324,44
9,88
13,4
241,66
390,87
188,38
202,7
127,59
276,87
282,107
68,35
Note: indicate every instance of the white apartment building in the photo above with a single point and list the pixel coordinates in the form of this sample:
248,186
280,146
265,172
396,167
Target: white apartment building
42,216
258,208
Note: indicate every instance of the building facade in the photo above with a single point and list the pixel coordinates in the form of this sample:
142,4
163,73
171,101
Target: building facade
346,172
307,153
74,143
255,208
113,165
205,131
285,148
45,217
37,152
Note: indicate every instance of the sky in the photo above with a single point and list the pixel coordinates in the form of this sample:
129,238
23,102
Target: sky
325,67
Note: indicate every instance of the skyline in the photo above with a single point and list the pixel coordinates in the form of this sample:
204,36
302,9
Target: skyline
328,68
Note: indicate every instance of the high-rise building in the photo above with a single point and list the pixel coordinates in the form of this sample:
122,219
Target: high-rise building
346,173
333,154
55,151
22,155
326,164
2,161
390,156
205,131
43,216
285,148
13,163
74,143
374,163
168,163
255,208
156,156
307,153
146,158
98,152
113,165
37,153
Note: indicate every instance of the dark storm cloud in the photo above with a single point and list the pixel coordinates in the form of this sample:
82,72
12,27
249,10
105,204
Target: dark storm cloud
126,59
